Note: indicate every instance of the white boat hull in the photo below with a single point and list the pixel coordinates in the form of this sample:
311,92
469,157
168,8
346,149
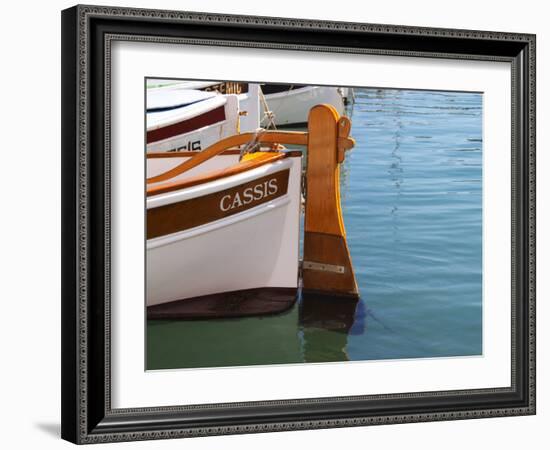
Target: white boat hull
196,140
293,106
255,248
200,138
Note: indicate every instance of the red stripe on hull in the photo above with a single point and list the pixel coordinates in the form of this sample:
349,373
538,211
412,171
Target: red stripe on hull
203,120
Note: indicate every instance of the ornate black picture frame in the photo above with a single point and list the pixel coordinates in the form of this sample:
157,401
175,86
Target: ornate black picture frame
87,34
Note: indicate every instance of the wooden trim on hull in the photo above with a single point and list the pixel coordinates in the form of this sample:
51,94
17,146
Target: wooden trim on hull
190,153
243,166
247,302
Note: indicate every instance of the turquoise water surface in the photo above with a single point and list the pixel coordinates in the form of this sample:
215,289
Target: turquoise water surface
412,204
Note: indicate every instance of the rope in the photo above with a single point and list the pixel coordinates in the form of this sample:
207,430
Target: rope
267,113
253,145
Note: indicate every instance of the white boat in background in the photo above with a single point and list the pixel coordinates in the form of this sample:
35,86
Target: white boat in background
188,119
221,87
183,119
168,98
288,104
268,106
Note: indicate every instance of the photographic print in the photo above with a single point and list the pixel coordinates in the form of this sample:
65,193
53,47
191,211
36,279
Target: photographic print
335,219
292,224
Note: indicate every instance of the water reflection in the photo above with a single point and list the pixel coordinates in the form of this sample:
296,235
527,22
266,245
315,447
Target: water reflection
326,323
395,170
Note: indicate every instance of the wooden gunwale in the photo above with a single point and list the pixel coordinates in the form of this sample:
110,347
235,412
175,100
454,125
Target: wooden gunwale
244,166
191,153
267,137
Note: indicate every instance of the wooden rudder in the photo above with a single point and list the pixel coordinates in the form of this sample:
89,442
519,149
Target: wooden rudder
327,267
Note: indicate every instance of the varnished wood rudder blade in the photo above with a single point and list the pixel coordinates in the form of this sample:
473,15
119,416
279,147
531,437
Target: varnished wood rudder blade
327,268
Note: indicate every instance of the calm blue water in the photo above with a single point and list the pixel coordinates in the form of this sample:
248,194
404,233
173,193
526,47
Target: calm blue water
412,204
413,213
